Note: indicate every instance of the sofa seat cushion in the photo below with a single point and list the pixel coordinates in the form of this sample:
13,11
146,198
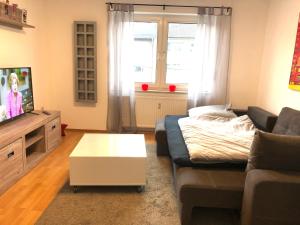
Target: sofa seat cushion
288,122
179,152
177,148
218,188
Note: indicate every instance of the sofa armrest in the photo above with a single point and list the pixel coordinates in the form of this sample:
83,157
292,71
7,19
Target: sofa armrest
261,118
162,148
271,197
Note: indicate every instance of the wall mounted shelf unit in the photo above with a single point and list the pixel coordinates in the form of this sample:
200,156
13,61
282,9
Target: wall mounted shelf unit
85,61
13,23
12,17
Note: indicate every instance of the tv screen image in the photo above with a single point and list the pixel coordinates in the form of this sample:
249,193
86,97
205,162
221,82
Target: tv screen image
16,95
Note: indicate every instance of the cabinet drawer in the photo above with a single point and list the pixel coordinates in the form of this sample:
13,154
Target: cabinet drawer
11,161
53,134
53,126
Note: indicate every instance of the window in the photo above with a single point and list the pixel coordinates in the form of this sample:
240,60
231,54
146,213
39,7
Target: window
145,49
181,39
163,50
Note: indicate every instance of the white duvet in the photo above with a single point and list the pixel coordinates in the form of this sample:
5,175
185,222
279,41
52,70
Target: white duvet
211,138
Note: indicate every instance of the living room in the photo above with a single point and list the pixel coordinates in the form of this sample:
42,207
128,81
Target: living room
262,44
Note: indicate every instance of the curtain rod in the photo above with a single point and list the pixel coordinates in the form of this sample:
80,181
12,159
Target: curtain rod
166,5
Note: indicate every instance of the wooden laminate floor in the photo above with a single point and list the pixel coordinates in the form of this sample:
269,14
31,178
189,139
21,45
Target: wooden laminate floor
25,201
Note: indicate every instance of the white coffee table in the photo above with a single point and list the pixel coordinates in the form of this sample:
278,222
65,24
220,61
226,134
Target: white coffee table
109,159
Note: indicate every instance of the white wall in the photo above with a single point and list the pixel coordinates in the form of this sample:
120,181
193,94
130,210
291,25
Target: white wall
277,57
248,32
60,15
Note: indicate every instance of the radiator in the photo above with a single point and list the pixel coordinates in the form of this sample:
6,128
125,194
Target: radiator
151,107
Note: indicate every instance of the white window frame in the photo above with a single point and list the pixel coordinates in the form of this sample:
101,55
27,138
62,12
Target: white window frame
162,48
149,19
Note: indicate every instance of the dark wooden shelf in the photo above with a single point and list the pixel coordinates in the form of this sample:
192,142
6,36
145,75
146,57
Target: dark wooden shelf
13,23
32,140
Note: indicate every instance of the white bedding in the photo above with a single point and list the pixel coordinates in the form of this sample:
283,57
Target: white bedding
212,138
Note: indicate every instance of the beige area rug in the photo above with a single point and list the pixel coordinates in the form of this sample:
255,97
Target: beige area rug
157,205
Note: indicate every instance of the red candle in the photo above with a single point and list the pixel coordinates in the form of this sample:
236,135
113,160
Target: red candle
172,87
145,87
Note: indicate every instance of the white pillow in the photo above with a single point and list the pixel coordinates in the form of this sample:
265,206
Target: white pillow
211,110
203,109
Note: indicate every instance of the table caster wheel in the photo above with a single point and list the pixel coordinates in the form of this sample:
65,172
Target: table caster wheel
140,189
75,189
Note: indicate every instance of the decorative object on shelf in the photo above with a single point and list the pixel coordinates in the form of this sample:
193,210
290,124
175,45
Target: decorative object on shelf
2,9
12,16
145,87
6,8
85,61
14,11
294,82
24,15
172,87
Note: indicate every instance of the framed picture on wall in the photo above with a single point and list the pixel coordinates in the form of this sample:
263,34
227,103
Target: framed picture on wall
294,83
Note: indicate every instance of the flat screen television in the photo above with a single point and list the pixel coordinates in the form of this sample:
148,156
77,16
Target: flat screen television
16,94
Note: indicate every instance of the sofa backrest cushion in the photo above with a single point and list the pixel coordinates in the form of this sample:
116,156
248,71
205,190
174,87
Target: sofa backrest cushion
288,122
261,118
274,152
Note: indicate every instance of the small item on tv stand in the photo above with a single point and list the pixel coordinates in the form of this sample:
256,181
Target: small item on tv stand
34,113
45,112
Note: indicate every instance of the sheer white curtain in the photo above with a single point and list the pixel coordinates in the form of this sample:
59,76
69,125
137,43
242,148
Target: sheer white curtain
208,84
121,99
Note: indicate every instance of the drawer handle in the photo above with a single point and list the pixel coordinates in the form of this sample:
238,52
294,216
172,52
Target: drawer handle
53,127
10,154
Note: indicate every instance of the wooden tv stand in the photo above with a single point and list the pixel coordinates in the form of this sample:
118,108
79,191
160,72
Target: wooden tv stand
24,142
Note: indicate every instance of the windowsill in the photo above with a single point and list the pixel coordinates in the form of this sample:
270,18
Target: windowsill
161,91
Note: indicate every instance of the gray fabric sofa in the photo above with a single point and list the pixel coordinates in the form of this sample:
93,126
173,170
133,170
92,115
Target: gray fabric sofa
228,186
